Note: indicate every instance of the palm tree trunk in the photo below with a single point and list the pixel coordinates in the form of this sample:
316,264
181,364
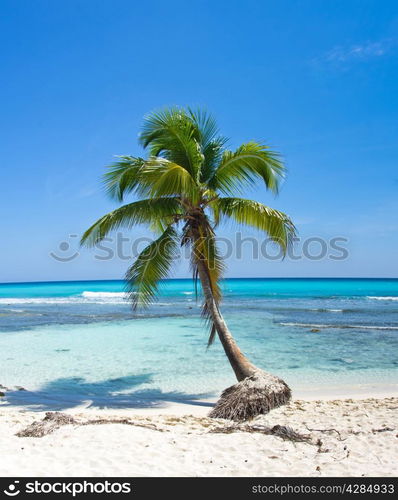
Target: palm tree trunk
240,364
256,392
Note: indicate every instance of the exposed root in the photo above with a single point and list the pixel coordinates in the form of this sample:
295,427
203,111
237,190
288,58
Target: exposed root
281,431
255,395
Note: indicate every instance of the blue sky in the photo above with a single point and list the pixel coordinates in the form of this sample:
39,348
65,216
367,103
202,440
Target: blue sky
315,80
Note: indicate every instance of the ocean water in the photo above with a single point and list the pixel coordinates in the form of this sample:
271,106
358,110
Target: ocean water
72,343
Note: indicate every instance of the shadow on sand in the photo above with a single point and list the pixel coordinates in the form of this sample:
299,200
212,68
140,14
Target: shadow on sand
71,392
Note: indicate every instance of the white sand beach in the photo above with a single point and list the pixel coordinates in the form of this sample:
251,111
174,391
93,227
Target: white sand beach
346,437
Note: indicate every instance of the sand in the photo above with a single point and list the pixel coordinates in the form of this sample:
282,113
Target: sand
351,437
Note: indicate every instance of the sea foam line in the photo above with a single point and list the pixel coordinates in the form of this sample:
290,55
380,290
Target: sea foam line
84,298
383,298
366,327
104,295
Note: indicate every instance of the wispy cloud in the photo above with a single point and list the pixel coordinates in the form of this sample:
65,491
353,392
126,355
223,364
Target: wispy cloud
342,55
86,192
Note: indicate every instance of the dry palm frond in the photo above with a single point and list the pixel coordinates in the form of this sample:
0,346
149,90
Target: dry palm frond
54,420
255,395
50,423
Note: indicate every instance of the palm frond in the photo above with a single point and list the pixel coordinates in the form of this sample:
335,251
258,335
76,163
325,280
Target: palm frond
162,177
123,176
172,134
150,211
205,124
152,265
211,142
212,156
249,163
155,176
276,224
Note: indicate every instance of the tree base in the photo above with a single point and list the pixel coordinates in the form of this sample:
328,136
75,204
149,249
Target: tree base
255,395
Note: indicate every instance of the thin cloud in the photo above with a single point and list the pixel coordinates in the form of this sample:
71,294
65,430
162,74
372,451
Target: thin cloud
87,191
341,55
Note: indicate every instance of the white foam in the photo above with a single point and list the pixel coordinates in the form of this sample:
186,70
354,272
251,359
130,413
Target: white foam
383,298
38,300
86,297
104,295
366,327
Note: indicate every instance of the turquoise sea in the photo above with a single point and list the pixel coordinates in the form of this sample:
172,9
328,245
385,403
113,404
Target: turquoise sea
71,343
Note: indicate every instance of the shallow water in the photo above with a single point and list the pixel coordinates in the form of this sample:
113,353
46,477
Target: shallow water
77,342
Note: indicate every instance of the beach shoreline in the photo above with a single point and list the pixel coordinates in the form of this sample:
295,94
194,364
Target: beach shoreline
358,438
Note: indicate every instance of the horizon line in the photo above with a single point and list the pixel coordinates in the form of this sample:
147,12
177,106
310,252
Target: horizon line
224,279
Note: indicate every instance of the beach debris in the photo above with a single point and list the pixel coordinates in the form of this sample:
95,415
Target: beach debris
327,430
54,420
319,443
282,431
288,434
124,421
384,429
3,390
51,422
252,396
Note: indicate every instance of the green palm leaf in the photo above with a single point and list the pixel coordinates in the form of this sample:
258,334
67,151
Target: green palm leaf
161,177
172,134
124,176
152,211
245,166
152,265
210,141
155,176
206,128
276,224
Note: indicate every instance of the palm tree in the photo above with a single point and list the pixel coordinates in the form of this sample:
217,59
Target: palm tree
188,185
